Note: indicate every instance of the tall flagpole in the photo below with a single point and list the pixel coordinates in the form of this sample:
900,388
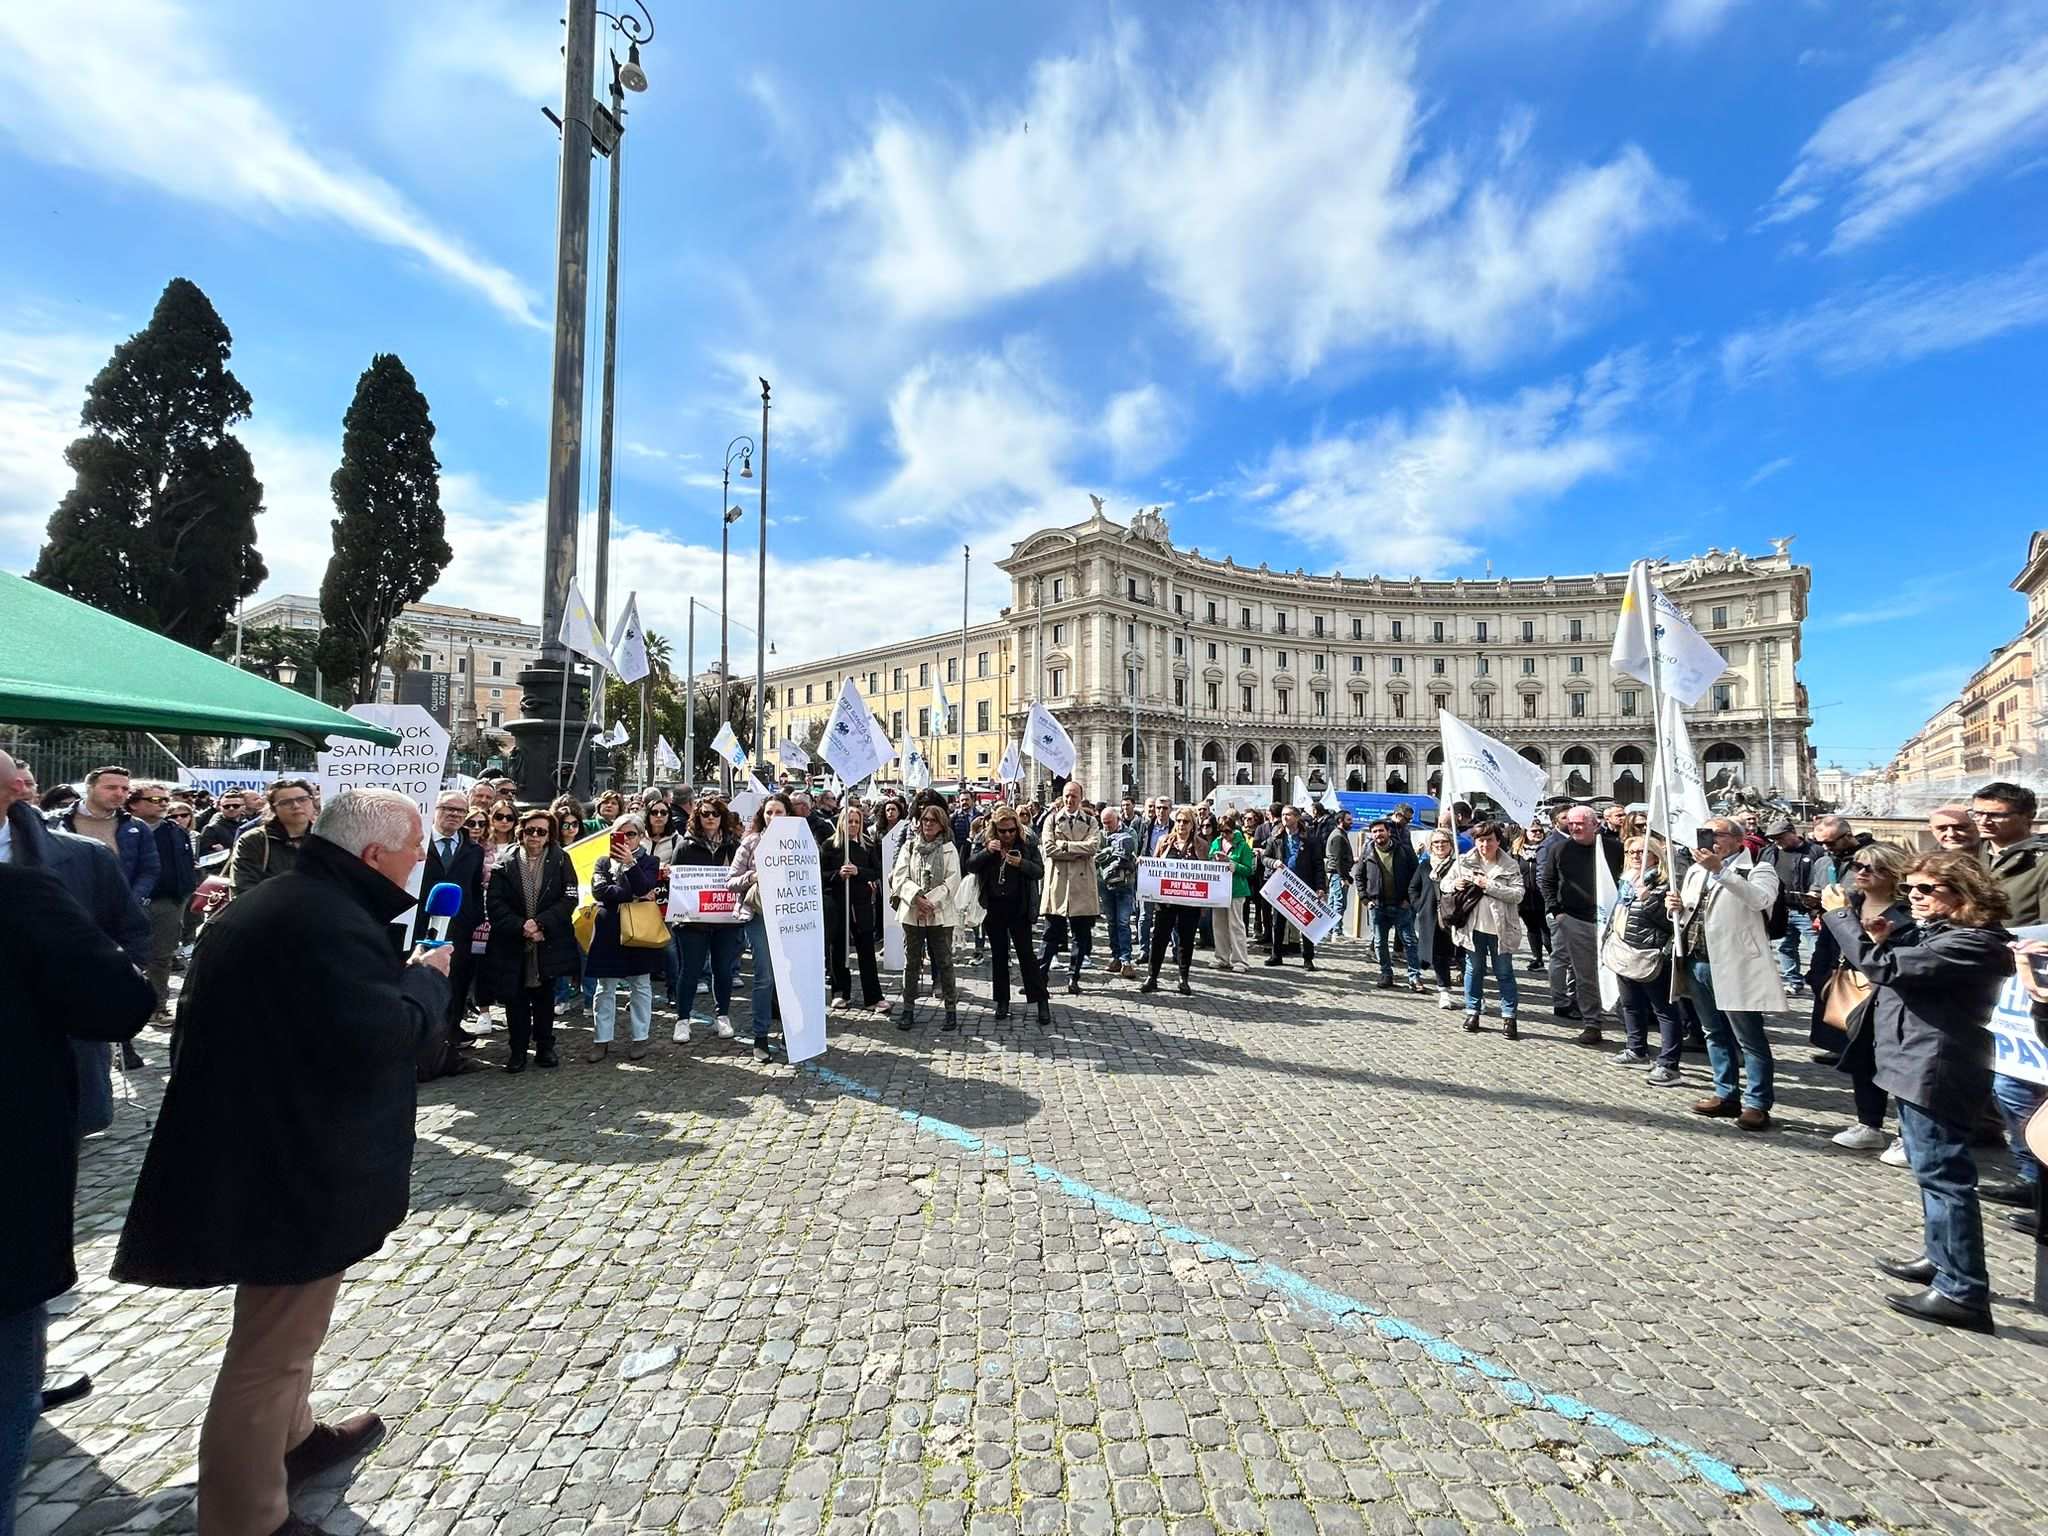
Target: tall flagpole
966,567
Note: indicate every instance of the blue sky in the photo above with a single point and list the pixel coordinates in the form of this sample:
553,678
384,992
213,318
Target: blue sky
1365,287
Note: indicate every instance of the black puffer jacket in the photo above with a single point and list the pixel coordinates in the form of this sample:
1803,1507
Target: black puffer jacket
1648,924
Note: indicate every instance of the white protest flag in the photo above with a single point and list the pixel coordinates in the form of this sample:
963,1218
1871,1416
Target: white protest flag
1686,664
1011,768
666,763
793,910
726,744
892,925
248,747
579,630
1475,761
917,773
615,737
1047,740
852,746
629,644
792,756
941,710
1605,894
1330,801
1302,800
1678,777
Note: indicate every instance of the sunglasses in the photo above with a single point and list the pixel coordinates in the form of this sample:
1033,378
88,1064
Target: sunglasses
154,799
181,815
504,817
532,832
1922,887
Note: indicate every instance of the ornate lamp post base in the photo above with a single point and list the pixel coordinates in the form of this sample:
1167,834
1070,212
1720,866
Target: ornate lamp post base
546,739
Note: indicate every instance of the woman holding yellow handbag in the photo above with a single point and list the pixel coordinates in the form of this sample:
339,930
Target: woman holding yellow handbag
628,939
1840,991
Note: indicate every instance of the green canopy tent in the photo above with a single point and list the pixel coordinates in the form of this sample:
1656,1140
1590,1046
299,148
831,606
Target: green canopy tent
63,663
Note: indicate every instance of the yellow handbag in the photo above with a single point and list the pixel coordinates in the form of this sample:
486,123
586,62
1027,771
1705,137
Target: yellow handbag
585,923
641,926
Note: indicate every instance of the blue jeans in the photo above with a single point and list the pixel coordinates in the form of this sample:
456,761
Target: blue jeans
706,946
1336,895
764,979
1640,1001
1118,908
639,1005
2017,1101
1398,918
1730,1035
21,1401
1485,952
1796,923
1940,1155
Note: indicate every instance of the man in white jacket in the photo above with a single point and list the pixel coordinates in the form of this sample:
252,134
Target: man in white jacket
1730,971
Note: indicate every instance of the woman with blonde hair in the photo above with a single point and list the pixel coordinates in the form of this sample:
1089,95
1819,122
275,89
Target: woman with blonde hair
1840,1024
1175,924
925,887
1008,867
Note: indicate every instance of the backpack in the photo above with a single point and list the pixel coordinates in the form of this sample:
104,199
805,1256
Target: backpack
1117,867
1778,922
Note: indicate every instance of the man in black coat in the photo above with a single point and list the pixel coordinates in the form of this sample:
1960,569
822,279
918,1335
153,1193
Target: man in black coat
1385,875
453,857
1571,895
1295,847
283,1152
66,982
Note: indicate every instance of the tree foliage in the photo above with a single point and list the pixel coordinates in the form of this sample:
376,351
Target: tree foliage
390,543
666,711
160,525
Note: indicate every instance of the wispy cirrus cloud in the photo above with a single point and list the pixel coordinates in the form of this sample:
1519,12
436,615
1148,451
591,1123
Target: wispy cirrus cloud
1889,322
148,102
1766,471
1276,188
1906,601
1692,21
1948,111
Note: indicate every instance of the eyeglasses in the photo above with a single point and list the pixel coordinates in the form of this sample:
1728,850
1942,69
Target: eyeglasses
709,816
2005,815
1864,865
1922,887
523,832
505,816
180,815
154,799
291,802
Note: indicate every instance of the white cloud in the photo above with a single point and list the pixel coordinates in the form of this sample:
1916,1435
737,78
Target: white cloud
43,376
1692,21
1411,493
1932,121
1892,322
1273,187
1144,428
1766,471
145,100
804,417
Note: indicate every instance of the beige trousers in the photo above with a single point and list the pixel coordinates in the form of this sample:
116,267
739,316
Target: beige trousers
262,1405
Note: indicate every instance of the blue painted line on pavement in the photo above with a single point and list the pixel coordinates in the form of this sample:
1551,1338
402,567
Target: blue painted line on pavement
1349,1312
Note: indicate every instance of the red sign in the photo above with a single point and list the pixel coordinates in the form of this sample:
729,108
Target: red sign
1194,890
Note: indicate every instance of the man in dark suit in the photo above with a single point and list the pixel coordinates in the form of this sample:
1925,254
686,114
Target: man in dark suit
1292,845
454,857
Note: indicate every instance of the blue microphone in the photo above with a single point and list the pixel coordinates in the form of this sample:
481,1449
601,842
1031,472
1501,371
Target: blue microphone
442,903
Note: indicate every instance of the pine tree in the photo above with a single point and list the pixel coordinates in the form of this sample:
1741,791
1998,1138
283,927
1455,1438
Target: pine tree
389,538
160,525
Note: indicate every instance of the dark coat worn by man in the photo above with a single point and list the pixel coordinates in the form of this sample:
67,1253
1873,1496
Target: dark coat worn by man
283,1153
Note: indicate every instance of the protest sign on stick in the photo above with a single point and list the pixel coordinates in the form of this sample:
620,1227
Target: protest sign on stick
1294,899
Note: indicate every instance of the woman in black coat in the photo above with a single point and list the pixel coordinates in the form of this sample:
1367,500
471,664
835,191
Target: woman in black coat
626,875
1009,867
1872,888
531,900
1934,988
852,871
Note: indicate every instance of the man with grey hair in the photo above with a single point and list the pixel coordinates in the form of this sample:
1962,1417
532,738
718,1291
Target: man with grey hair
283,1151
1571,895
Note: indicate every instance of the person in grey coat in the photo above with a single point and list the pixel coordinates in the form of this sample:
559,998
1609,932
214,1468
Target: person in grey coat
1934,988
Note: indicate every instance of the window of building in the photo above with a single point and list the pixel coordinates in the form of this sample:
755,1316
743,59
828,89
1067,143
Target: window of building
896,678
497,693
1176,603
1486,706
1319,626
1281,696
1578,664
1244,617
981,664
981,714
1528,706
1578,630
1358,629
462,666
924,722
1436,666
768,696
1058,677
1528,631
1436,631
1358,705
1578,706
1322,707
808,692
1212,650
497,717
1179,647
1719,618
1397,664
1212,613
497,667
1131,586
981,759
1394,628
1321,662
1528,666
1724,696
1215,695
1281,657
952,759
1180,691
1247,698
1059,589
1628,702
1130,634
1400,702
1358,663
1280,622
924,673
1485,665
896,724
1059,634
1244,655
952,669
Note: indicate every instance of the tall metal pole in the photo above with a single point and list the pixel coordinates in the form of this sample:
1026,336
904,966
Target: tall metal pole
966,572
611,340
1770,656
572,279
1132,675
690,702
1187,719
724,605
761,581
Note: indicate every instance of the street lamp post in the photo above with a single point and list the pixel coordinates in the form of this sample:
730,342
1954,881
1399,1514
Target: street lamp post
761,582
743,448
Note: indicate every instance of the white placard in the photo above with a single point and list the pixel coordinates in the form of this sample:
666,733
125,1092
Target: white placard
697,893
1184,882
1292,898
793,911
413,768
2020,1053
892,925
218,781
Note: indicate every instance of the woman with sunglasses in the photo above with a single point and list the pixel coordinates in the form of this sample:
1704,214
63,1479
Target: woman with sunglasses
1173,923
1008,867
852,870
530,900
747,886
568,813
1935,984
663,839
1840,1030
925,887
706,946
626,874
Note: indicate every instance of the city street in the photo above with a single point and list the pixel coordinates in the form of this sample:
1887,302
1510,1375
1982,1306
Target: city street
1293,1255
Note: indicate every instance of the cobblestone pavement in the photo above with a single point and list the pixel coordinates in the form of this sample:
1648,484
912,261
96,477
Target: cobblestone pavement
1293,1255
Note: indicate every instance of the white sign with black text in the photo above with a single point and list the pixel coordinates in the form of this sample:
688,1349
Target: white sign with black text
793,910
1184,882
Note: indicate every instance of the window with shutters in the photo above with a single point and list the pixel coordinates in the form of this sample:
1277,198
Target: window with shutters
981,715
1528,706
924,722
1400,702
1248,706
1578,706
1057,681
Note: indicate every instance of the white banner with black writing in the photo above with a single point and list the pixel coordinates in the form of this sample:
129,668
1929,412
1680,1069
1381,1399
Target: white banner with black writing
697,894
1184,882
892,925
793,911
2020,1052
1294,899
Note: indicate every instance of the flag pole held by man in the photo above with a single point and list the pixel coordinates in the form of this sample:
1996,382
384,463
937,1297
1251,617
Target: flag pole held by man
283,1153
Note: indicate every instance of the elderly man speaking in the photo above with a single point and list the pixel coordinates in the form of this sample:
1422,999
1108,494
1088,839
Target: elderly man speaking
284,1150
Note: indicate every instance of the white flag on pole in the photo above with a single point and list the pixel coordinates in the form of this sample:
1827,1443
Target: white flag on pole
1686,663
852,746
1475,761
247,747
1679,777
579,630
1330,801
615,737
666,763
1047,740
1301,799
941,710
629,644
726,744
1011,768
792,756
917,773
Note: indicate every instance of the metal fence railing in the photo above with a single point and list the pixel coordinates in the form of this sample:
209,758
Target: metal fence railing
65,757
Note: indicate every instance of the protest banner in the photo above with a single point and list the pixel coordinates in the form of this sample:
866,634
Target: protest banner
1184,882
1239,798
2020,1052
793,911
218,781
1293,898
892,925
697,894
413,767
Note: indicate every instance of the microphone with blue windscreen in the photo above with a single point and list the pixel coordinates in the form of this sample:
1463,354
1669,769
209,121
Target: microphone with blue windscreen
442,903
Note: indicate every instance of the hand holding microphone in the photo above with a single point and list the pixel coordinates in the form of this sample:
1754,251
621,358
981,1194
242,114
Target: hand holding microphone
443,902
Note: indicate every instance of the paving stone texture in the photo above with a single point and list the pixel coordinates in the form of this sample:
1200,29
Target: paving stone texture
1317,1261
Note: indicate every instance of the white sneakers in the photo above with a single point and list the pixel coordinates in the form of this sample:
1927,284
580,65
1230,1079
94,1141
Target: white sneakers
1895,1154
722,1027
1861,1138
681,1033
1444,1000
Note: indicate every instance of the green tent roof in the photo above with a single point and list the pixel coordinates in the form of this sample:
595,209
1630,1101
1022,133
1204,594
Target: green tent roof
64,663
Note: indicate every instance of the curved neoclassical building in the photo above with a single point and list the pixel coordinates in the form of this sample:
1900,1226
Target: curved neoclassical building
1227,673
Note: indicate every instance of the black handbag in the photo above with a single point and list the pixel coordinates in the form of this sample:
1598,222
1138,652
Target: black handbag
1454,909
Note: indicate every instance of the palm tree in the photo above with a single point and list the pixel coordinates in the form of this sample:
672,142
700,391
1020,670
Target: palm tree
659,654
403,648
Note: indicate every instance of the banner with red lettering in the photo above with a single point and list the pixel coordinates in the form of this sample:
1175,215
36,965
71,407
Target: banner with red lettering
1294,899
1184,882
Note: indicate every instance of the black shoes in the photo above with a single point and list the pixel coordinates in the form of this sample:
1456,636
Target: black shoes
1185,989
908,1019
1074,985
515,1067
1149,984
2024,1221
1933,1307
1471,1023
1272,959
1308,965
2006,1192
1002,1010
1507,1027
952,1021
59,1391
131,1058
1568,1011
1044,1012
546,1057
329,1446
1386,983
1918,1271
